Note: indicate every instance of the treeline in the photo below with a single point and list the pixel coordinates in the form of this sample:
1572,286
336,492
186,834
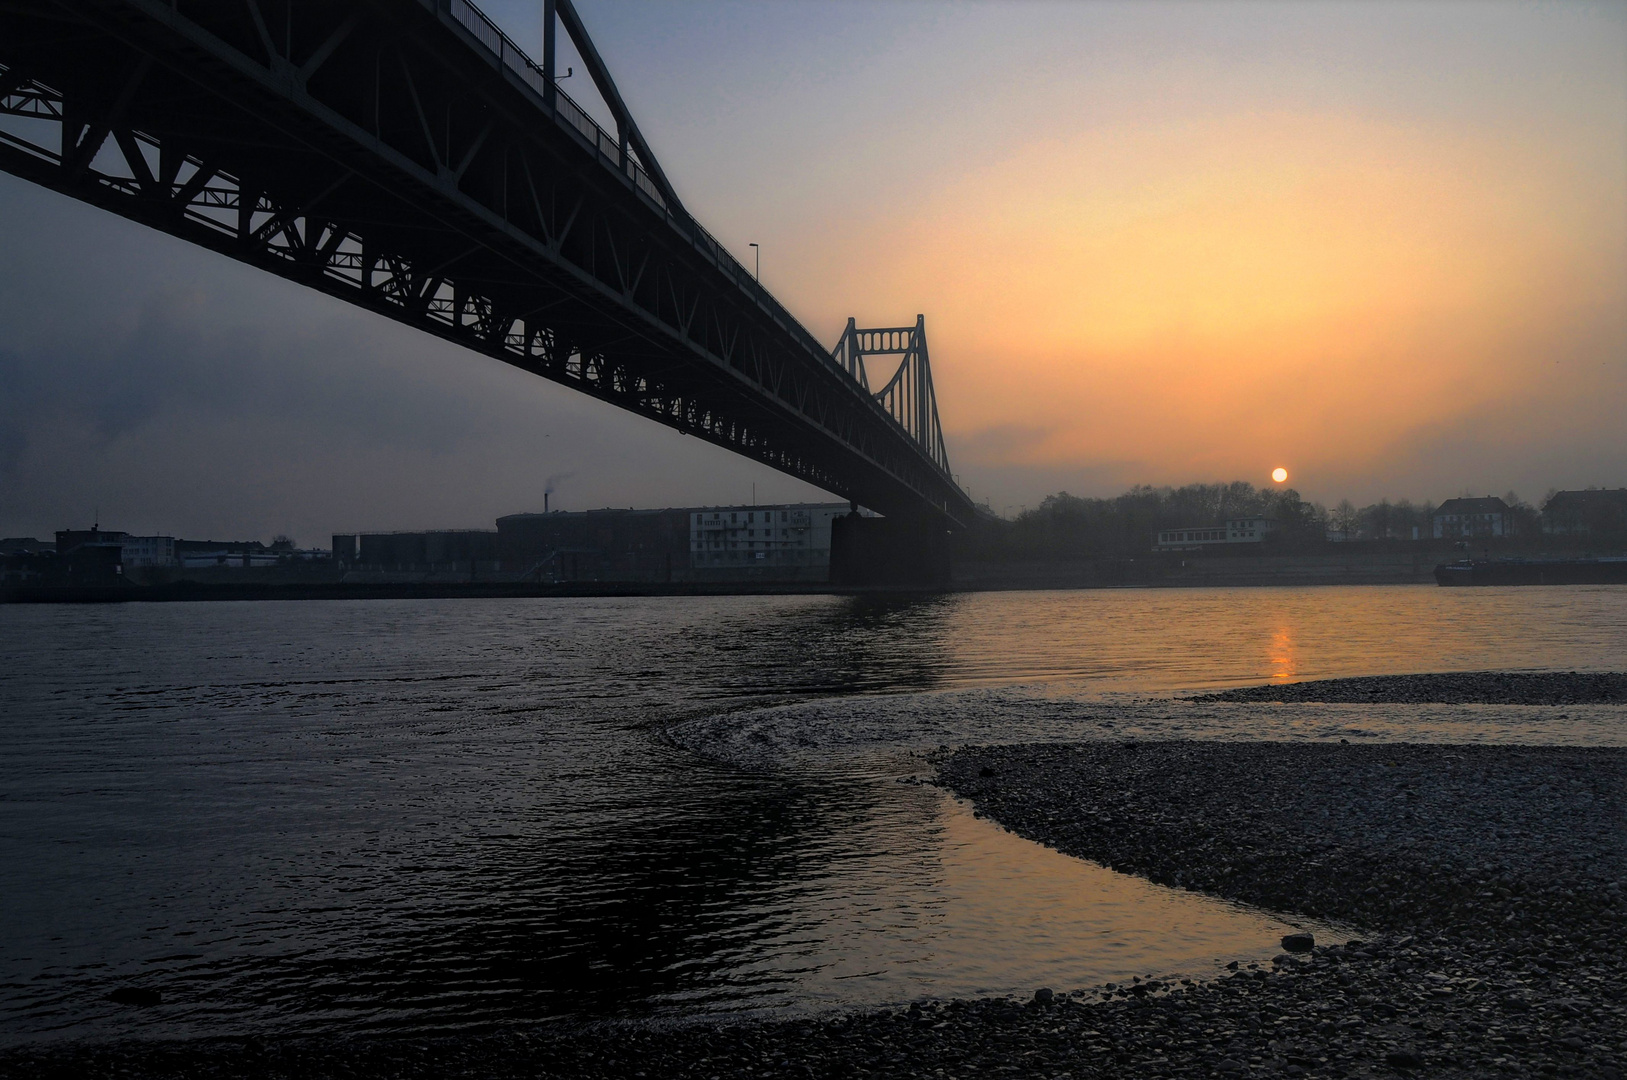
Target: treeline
1387,520
1072,527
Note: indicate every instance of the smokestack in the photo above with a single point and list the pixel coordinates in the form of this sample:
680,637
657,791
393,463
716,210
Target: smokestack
544,502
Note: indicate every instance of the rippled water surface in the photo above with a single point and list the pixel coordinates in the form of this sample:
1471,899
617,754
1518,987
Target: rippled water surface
432,815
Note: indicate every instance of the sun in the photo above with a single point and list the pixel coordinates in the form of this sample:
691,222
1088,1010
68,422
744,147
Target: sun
1279,474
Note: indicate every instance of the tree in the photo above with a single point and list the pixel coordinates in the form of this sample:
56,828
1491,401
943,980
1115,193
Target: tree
1524,520
1345,519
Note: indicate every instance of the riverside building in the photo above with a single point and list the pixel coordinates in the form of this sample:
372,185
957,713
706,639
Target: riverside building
1464,518
788,543
1251,530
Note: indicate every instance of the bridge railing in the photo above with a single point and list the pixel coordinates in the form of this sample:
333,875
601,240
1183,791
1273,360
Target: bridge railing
608,149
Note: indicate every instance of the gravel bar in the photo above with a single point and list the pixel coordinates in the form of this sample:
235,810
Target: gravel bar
1493,876
1488,880
1451,688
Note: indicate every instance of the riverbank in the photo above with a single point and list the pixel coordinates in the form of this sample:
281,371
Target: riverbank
1411,1006
1487,880
1153,571
1352,566
193,591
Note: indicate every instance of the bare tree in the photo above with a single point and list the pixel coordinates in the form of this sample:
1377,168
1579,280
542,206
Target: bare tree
1345,519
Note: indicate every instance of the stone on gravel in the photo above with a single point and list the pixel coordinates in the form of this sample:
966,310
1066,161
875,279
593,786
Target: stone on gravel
1298,943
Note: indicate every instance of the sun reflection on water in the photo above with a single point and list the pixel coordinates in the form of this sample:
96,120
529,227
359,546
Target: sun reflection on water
1283,655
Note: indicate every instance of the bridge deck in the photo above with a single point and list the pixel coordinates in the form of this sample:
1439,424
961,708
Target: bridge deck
405,156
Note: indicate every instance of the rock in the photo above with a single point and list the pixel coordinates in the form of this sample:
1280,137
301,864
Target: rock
1298,943
1404,1059
1043,996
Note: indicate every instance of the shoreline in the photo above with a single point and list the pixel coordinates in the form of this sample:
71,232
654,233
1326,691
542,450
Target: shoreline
203,592
1443,688
1494,875
1152,572
1058,580
1473,954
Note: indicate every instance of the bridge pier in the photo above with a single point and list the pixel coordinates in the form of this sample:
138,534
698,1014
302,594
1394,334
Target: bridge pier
902,552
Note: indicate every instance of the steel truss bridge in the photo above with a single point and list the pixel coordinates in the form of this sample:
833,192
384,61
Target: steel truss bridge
407,157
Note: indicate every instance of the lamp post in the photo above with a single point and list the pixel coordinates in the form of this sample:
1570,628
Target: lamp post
758,251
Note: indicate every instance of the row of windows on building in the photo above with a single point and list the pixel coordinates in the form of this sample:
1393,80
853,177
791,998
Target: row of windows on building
1237,531
795,535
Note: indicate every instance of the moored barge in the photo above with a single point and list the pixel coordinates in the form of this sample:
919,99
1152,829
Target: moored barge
1600,571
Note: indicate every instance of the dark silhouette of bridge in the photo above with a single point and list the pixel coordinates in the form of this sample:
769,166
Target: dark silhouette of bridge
407,157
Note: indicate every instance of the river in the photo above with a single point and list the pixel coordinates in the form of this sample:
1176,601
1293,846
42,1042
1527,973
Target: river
449,815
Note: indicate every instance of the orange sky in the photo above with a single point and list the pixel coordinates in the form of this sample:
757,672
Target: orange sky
1208,299
1384,245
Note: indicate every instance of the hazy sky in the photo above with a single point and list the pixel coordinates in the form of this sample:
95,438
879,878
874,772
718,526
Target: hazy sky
1382,245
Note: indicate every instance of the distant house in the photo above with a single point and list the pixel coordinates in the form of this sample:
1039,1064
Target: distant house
1236,531
1458,519
1598,512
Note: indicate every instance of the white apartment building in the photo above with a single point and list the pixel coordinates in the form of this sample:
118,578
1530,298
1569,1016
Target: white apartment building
148,551
1456,518
777,538
1250,530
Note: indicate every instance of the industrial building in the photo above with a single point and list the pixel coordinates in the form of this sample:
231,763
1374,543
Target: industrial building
780,543
443,550
789,542
596,545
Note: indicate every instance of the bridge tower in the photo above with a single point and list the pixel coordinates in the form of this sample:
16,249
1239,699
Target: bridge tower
901,549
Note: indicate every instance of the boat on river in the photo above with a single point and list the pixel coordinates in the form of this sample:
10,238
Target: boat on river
1590,571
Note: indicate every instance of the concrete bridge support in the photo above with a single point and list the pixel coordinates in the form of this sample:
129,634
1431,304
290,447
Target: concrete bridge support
902,552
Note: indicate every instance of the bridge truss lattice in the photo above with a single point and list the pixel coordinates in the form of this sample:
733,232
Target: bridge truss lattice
407,157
